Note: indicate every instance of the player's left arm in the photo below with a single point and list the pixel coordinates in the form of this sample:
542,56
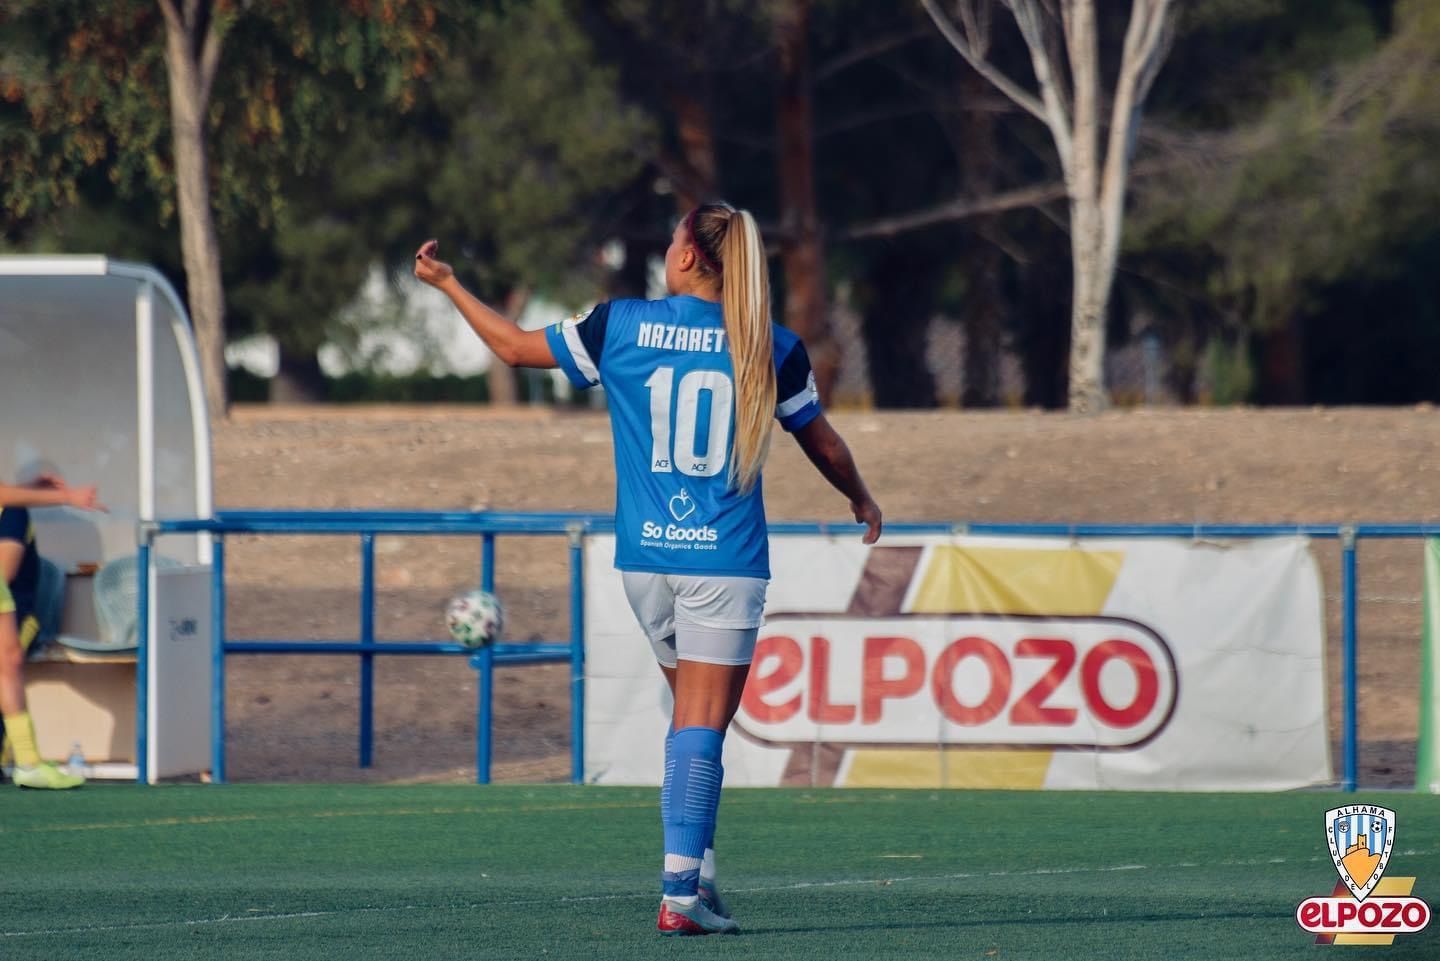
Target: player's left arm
831,456
514,346
797,408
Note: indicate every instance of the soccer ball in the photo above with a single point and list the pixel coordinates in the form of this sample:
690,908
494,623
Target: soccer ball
475,618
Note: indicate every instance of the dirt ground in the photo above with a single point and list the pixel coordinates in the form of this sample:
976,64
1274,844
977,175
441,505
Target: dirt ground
294,717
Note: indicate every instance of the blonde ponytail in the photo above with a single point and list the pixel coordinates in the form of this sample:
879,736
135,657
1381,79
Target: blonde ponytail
745,302
731,251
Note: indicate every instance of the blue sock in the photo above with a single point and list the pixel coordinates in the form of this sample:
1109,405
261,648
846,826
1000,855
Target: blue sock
688,802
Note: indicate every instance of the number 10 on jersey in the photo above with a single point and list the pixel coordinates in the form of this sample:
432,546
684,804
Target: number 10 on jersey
680,407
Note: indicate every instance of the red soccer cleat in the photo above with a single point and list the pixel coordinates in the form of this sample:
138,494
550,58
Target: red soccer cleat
692,919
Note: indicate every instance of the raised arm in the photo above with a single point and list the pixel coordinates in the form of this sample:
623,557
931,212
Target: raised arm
514,347
49,491
830,455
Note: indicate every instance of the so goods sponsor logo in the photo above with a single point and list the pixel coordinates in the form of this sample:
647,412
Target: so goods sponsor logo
681,506
1365,907
1061,682
672,532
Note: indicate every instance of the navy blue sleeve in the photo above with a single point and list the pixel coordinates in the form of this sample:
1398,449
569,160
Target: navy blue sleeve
578,344
14,524
592,331
797,402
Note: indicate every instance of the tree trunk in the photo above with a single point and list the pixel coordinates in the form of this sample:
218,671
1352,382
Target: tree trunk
299,379
896,301
695,181
1082,175
1042,336
1282,364
982,326
189,74
1087,315
1096,200
982,320
802,255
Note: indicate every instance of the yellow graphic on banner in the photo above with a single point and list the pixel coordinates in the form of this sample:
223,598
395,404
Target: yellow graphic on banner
1007,580
952,768
991,580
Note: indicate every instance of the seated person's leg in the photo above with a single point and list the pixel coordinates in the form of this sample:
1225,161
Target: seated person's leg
30,770
49,605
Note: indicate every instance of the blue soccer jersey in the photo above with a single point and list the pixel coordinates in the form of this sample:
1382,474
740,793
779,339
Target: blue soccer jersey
666,369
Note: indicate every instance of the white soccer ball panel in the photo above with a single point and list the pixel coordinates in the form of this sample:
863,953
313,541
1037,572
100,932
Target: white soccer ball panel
475,618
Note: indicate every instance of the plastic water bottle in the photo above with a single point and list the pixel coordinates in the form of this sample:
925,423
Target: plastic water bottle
75,763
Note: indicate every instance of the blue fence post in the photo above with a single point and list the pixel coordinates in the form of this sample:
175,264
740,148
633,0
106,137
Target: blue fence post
1349,617
577,654
142,658
217,660
487,562
367,639
483,661
484,664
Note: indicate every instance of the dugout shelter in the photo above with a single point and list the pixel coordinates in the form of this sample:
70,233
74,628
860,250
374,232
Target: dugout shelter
100,382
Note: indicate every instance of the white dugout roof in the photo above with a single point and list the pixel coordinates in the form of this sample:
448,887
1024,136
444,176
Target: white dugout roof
99,381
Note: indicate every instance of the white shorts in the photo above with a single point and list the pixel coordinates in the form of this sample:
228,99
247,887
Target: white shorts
698,618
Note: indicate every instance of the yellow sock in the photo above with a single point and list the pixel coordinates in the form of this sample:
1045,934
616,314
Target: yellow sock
20,731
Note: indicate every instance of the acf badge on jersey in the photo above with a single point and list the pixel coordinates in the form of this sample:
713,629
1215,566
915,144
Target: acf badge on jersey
1365,907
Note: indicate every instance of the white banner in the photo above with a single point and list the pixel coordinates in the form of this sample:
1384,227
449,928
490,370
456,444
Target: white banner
987,662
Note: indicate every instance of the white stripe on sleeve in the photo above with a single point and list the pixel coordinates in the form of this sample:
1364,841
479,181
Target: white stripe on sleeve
807,395
578,352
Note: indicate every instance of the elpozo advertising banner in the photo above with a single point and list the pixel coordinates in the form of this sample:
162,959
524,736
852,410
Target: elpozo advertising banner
1137,664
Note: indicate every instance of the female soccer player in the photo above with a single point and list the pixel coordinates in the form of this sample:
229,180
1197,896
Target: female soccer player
693,383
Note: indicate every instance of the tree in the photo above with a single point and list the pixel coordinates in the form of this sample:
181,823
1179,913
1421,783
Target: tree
696,70
884,77
87,87
508,153
1069,104
802,251
193,34
1271,216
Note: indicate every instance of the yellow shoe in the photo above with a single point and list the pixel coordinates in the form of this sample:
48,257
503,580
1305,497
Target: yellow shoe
45,776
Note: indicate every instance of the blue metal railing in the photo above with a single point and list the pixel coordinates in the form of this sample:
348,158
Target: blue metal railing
489,525
369,524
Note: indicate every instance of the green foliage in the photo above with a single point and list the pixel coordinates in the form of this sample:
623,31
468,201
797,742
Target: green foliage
533,140
1327,183
340,136
81,85
84,85
1231,373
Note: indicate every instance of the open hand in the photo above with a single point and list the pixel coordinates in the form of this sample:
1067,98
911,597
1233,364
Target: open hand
867,512
427,268
84,498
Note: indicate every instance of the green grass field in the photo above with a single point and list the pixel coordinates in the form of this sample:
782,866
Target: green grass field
345,873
